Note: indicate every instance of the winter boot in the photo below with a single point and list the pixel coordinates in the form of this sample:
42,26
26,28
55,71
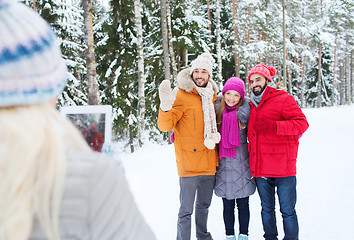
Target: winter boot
242,237
230,237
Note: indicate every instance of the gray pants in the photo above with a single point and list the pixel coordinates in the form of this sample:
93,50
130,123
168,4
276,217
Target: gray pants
202,185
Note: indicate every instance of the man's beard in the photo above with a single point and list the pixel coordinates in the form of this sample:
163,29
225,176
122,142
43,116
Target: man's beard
204,85
259,92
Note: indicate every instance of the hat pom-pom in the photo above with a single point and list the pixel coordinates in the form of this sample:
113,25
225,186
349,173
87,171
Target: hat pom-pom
207,56
272,71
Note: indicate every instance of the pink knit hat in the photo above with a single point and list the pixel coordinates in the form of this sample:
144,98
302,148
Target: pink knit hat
236,84
267,72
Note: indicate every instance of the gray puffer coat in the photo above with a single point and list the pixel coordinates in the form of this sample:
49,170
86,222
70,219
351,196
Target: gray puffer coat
97,203
233,177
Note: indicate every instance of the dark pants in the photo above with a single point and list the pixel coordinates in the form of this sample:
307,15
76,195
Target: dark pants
286,190
243,215
202,188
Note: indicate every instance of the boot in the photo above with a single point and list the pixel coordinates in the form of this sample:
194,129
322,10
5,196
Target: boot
242,237
230,237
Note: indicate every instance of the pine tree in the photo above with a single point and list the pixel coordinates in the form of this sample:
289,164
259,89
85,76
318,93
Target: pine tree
117,69
67,22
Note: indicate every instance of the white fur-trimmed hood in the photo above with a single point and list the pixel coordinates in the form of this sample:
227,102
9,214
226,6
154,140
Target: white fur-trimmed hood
185,82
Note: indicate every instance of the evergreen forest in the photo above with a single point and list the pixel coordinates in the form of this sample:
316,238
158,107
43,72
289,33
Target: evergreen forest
139,43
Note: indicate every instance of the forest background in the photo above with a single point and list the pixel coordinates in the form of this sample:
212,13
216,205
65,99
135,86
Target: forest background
118,51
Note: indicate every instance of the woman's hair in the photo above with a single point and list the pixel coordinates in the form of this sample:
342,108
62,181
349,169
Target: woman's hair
221,110
34,142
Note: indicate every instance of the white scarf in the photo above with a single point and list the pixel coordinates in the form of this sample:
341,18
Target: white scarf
211,135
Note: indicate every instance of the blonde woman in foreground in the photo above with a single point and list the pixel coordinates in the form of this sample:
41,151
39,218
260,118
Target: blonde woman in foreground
52,186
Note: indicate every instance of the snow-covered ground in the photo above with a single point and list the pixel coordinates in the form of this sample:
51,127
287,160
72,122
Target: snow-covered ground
325,176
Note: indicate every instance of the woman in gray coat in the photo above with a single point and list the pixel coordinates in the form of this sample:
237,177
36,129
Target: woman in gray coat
52,185
233,177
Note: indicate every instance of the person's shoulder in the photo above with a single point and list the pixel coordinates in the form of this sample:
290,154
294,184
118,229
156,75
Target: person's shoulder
85,164
283,99
246,101
277,93
219,97
284,95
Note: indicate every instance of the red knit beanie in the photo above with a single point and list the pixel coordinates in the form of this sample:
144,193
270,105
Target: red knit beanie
236,84
267,72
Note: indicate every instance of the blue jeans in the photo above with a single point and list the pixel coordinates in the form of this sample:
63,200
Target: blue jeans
243,215
286,190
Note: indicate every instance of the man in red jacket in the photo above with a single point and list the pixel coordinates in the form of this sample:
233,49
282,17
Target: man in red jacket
275,124
95,139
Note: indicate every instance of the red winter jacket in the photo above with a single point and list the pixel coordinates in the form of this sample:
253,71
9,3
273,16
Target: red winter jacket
274,155
96,142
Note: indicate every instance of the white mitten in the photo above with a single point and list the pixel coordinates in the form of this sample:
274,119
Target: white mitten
212,139
166,95
209,143
216,137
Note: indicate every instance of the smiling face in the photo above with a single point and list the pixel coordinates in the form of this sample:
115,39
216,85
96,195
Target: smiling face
258,83
200,77
232,97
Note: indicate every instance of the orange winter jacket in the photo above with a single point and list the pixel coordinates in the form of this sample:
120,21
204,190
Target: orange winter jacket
187,120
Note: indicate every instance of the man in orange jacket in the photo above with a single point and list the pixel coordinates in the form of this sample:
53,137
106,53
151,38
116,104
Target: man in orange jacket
189,111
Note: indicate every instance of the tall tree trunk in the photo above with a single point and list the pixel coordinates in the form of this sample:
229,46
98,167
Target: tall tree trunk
302,95
141,77
185,57
248,39
170,43
249,24
341,85
164,29
236,43
265,39
129,113
131,139
347,84
218,42
319,83
351,81
90,54
209,18
334,71
284,44
278,68
290,83
259,39
349,76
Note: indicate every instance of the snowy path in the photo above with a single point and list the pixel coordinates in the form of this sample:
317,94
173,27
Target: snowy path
325,183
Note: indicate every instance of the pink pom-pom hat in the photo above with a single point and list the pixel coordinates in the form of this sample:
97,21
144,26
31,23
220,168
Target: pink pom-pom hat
267,72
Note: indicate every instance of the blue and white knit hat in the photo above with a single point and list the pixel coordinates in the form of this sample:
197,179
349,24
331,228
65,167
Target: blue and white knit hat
32,69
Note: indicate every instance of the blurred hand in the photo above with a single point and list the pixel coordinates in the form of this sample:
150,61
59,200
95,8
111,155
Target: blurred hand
266,127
